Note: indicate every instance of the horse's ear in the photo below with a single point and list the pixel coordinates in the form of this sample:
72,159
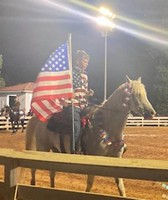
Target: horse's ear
139,79
128,80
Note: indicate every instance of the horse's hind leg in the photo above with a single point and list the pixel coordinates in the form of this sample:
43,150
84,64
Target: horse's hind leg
120,186
17,126
52,173
90,179
52,177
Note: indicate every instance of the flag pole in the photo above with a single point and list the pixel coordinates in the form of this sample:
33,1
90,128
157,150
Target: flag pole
72,145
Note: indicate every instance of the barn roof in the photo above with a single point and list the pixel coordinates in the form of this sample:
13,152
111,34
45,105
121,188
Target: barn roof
24,87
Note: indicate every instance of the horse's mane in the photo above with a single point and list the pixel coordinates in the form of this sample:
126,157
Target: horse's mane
138,88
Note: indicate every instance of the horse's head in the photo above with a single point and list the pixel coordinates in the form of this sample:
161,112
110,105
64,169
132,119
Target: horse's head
136,98
130,97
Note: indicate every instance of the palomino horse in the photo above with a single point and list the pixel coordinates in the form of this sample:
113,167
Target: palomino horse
103,136
16,117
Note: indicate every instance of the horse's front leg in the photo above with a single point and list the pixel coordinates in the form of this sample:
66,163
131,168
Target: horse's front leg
22,125
17,126
33,176
90,179
120,186
13,127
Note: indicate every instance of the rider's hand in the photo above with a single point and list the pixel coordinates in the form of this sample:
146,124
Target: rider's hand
90,92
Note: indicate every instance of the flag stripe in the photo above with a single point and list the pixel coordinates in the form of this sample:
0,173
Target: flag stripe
52,87
53,78
52,94
61,82
43,109
39,111
58,96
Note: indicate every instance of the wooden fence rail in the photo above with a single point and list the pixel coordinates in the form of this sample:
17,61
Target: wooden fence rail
6,125
142,169
140,121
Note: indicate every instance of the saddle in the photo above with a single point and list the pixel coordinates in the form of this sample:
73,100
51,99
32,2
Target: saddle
62,122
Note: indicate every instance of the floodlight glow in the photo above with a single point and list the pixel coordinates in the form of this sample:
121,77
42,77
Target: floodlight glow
143,35
67,9
104,21
104,11
110,24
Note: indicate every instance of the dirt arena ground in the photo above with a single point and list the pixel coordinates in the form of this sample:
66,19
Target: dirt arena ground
143,142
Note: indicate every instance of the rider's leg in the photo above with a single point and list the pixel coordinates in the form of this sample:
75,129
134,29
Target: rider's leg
75,144
77,129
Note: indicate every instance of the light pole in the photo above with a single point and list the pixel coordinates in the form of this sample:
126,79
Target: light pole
106,21
105,63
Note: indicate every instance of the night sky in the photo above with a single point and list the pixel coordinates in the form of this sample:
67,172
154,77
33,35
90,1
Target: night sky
31,30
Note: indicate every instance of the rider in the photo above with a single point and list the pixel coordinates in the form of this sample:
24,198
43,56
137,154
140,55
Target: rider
16,105
81,92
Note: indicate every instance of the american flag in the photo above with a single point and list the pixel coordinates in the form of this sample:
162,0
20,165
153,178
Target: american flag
53,83
80,85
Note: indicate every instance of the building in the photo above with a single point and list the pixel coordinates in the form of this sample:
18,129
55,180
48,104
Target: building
22,91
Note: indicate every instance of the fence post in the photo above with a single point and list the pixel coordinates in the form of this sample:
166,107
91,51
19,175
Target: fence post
142,121
10,178
7,123
158,121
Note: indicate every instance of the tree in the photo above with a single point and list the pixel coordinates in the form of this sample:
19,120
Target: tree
161,86
2,81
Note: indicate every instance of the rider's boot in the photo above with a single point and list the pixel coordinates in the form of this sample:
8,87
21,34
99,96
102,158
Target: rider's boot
78,148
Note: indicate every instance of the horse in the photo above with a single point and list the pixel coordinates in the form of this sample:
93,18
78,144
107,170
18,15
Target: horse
16,117
103,135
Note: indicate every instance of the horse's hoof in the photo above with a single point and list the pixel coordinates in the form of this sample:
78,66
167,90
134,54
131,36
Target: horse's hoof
13,132
32,182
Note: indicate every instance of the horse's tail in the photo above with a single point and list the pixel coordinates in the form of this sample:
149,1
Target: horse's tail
30,141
